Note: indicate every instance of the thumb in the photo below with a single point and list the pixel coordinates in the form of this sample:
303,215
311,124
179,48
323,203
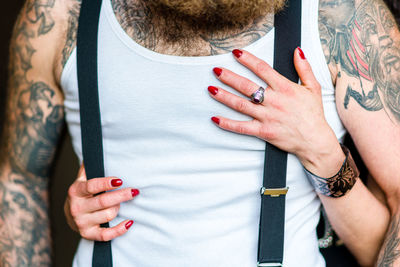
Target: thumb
305,72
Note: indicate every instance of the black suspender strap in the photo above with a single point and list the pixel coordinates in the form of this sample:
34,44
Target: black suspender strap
92,139
273,193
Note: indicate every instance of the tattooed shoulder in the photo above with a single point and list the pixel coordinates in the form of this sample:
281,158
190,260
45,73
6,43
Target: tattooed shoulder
332,28
72,30
33,103
362,41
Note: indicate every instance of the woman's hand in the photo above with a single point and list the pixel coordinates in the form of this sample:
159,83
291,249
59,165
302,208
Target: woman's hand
85,210
291,117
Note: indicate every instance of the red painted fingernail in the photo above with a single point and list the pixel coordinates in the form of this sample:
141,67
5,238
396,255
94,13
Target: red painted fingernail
301,53
135,192
217,71
213,90
128,224
116,182
215,120
237,53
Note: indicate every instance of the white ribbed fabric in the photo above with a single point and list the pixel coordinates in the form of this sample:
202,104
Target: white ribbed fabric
199,202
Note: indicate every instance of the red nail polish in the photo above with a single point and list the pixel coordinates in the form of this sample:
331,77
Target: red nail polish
135,192
116,182
213,90
128,224
215,120
217,71
301,53
237,53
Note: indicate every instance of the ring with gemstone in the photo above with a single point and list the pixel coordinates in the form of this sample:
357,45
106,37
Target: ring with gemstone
258,96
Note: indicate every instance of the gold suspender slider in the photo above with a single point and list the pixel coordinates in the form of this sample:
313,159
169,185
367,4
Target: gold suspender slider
274,192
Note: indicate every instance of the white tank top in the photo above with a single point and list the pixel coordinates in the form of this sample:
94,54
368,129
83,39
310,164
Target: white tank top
199,203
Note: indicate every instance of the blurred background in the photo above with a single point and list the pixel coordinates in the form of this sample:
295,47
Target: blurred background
65,240
394,5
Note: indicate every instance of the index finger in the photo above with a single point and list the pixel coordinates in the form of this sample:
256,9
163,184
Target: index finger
261,68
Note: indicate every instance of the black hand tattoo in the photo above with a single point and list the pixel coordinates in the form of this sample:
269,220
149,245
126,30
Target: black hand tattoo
391,251
360,41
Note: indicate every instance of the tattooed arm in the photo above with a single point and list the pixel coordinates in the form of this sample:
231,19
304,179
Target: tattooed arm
33,125
361,43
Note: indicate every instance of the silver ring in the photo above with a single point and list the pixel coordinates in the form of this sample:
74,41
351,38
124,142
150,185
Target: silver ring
258,96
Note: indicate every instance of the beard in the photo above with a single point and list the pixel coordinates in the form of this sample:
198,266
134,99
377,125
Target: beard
183,18
218,12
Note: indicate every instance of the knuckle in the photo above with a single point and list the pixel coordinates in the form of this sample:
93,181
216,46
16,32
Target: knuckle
120,231
306,68
277,104
80,223
91,187
110,214
127,196
261,66
245,85
240,129
242,106
286,88
84,233
105,236
74,210
72,191
116,208
121,195
101,201
267,133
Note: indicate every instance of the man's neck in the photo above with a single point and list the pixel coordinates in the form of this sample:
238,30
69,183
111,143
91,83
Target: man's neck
148,29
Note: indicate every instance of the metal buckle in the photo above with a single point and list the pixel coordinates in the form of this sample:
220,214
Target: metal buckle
269,264
274,192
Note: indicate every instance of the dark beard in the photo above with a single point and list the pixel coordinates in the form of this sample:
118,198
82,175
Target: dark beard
180,26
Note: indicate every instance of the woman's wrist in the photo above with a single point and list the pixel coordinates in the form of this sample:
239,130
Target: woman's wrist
323,157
